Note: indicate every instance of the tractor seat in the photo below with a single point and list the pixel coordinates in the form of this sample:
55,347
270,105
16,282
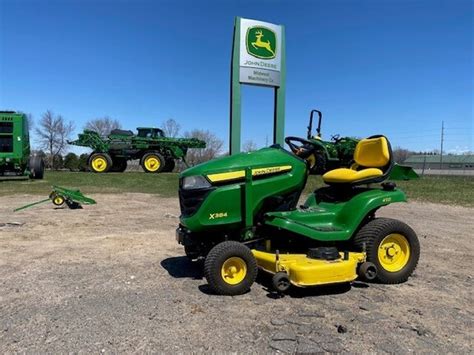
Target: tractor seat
373,162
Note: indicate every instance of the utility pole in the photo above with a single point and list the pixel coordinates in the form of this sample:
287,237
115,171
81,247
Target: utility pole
442,141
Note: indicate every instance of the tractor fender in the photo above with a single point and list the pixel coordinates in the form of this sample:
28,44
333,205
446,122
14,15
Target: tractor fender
360,207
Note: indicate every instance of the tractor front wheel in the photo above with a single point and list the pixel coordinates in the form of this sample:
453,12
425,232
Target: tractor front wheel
153,163
392,246
230,268
100,162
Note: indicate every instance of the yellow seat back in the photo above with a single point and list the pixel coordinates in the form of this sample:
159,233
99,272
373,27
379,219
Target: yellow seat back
372,152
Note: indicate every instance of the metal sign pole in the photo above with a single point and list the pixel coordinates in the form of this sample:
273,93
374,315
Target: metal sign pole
235,102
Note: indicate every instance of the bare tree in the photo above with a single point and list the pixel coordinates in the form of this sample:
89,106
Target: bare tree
171,128
103,125
213,146
249,146
53,133
401,154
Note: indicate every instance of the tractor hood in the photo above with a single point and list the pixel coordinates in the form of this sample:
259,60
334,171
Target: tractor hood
213,194
264,161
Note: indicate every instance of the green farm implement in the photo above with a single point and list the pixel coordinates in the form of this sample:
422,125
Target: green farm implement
59,196
241,213
155,152
16,161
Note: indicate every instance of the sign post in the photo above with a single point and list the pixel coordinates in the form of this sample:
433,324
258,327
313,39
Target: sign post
258,58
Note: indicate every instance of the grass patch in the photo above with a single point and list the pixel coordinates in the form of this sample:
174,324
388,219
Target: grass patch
165,184
454,190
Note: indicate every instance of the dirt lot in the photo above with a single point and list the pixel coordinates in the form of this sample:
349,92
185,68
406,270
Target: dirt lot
111,278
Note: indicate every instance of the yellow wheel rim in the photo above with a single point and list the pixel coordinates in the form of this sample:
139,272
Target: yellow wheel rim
234,270
152,163
394,252
99,164
58,200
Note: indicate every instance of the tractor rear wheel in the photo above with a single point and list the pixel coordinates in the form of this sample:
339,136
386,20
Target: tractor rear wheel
153,162
100,162
230,268
36,167
169,165
392,246
119,165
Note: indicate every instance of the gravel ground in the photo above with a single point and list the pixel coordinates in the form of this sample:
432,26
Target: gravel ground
111,278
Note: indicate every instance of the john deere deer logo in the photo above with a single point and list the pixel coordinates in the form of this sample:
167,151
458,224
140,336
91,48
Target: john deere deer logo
261,42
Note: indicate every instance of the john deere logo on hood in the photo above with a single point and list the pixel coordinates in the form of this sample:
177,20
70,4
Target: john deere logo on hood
261,42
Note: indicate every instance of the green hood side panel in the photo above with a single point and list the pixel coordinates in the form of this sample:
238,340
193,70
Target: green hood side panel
222,208
333,221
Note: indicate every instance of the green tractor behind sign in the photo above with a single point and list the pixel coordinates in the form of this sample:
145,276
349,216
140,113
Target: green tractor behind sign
15,159
156,152
339,152
332,154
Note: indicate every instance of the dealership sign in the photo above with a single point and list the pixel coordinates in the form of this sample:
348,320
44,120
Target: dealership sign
260,53
258,58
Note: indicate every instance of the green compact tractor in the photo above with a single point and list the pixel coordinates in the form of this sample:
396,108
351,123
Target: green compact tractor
240,213
339,153
156,152
328,155
16,161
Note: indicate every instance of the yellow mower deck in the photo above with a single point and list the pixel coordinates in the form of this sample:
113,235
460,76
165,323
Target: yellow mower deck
303,271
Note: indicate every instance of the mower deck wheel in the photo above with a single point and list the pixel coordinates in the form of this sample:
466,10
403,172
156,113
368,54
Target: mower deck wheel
281,282
230,268
392,246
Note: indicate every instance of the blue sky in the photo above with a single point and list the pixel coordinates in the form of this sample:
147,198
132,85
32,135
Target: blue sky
392,67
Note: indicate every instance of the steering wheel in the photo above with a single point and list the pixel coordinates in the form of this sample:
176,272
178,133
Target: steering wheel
336,138
303,150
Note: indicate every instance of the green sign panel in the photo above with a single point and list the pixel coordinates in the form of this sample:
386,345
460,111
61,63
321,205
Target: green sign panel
261,42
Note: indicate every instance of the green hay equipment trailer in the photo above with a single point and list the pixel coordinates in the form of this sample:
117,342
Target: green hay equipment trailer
16,161
156,152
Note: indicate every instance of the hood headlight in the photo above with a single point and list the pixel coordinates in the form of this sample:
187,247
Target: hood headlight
195,182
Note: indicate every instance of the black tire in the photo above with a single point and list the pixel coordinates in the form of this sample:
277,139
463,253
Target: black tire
158,158
227,252
169,165
371,236
36,167
281,282
119,165
106,163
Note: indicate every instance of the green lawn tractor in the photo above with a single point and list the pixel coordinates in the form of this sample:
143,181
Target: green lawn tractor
16,161
240,213
155,152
